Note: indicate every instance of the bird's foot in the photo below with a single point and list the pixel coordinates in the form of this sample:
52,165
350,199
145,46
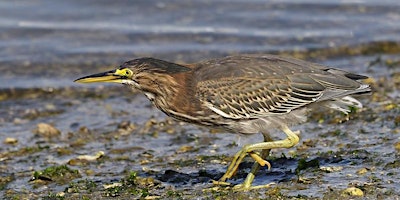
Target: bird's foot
238,158
221,183
240,187
259,160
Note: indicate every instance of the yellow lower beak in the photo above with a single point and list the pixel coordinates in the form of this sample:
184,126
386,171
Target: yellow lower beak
105,77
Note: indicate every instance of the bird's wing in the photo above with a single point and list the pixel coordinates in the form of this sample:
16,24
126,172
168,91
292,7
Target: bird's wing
250,98
267,86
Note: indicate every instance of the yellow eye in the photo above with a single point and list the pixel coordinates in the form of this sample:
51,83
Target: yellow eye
124,72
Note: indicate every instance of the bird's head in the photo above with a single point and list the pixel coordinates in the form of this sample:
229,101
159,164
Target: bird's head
146,74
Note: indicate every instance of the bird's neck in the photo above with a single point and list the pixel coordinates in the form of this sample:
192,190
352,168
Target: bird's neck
172,96
161,91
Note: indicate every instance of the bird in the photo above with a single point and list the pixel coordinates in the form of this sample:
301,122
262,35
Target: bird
243,94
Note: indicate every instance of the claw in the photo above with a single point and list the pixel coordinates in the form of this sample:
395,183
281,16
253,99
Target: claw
220,183
260,161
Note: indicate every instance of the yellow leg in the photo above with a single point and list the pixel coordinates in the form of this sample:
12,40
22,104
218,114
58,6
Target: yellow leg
256,166
291,140
246,185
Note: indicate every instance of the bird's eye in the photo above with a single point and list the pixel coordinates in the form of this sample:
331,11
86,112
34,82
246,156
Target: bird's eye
128,73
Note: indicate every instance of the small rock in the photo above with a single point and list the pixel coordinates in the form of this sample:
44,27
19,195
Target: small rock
362,171
84,159
170,131
18,121
90,172
330,169
113,185
83,130
46,130
184,149
215,161
10,140
397,146
353,191
61,194
152,197
390,106
397,120
63,151
125,128
90,157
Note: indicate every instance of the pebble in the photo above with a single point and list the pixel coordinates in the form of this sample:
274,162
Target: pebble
330,169
83,159
184,149
10,140
353,191
91,157
113,185
397,146
362,171
46,130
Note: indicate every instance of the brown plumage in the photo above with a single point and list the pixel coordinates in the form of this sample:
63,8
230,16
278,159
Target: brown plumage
244,94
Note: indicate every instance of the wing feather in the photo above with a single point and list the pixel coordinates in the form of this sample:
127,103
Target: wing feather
252,87
251,98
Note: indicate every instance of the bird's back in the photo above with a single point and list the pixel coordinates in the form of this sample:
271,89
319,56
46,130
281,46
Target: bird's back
254,86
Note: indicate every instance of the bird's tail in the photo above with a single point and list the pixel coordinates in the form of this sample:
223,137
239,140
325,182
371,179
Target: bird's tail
344,104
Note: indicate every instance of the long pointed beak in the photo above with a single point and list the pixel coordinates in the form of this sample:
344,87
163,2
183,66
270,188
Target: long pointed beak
107,77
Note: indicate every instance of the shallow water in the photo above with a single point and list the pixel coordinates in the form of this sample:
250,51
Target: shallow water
45,45
49,40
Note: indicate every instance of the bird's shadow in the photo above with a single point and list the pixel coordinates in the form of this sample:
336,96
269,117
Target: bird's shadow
279,174
283,170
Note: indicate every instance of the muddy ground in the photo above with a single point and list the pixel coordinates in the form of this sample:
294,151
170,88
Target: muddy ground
105,142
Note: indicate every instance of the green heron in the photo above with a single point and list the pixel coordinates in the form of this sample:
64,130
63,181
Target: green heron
245,94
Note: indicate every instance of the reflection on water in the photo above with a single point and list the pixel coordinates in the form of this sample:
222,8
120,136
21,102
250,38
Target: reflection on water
71,33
